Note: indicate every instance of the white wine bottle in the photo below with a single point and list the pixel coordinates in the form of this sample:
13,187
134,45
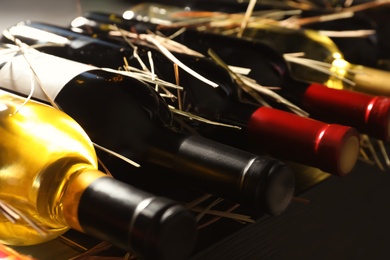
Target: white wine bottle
49,175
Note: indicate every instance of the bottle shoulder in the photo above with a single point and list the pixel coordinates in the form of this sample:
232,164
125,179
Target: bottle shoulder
43,148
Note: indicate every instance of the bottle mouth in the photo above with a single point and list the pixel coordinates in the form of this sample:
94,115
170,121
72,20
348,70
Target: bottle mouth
307,141
339,147
348,155
273,191
178,234
280,189
170,233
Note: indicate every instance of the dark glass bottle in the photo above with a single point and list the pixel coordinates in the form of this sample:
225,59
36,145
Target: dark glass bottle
367,113
281,134
129,117
315,46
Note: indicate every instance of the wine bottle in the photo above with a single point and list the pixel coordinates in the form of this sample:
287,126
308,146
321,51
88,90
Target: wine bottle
315,46
50,176
129,117
298,139
368,114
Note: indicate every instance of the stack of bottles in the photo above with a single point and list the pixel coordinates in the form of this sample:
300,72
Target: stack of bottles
208,110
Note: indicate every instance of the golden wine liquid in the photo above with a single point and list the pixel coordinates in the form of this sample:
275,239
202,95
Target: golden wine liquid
40,150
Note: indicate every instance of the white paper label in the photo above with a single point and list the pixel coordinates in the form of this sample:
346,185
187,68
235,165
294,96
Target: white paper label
52,72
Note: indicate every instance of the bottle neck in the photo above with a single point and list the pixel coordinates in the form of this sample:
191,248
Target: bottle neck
368,114
302,140
129,218
292,90
221,169
235,174
72,196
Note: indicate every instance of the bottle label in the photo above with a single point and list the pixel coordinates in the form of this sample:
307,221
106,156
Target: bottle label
41,73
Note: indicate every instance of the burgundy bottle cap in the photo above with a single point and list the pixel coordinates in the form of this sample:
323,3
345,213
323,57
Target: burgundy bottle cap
368,114
332,148
338,146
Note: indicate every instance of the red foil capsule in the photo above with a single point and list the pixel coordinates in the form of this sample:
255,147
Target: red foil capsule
332,148
368,114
